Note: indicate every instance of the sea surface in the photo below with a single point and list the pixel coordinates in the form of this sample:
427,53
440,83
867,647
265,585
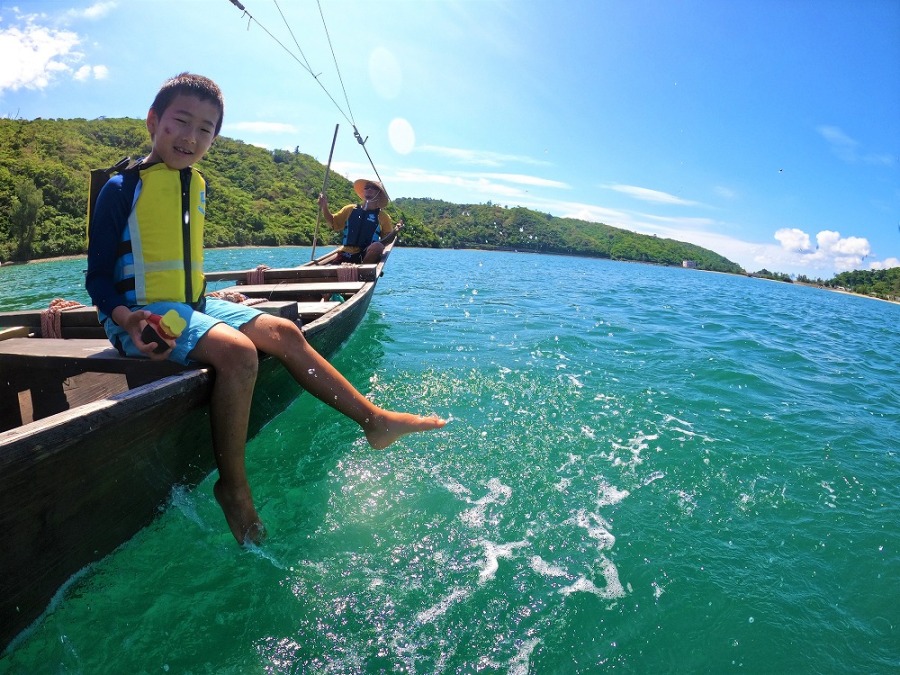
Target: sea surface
646,470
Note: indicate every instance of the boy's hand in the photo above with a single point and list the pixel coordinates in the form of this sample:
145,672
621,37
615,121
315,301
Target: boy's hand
134,323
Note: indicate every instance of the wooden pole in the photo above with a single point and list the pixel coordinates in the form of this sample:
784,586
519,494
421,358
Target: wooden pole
324,191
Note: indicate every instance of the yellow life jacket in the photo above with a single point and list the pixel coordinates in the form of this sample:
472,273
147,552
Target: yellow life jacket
165,229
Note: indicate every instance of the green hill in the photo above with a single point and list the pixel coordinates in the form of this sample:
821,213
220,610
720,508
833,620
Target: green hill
269,198
495,227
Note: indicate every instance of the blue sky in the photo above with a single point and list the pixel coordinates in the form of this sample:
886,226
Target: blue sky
765,130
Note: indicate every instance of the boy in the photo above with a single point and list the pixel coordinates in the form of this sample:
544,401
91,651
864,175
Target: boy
145,255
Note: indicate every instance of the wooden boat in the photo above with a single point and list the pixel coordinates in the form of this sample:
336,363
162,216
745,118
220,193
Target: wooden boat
92,443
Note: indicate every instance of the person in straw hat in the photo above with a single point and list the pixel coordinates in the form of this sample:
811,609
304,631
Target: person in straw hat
364,225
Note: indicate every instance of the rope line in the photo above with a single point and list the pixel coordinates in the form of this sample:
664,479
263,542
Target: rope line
304,63
336,67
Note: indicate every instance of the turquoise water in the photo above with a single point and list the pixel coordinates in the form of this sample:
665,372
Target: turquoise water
646,470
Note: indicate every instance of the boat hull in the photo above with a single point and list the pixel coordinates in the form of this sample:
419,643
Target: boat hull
76,485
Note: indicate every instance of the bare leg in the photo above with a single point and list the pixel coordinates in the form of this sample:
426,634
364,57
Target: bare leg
373,253
235,361
284,340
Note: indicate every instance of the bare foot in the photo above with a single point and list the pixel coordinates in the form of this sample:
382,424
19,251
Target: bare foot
386,427
240,514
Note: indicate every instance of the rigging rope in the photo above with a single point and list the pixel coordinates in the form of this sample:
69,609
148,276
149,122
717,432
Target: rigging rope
334,58
348,114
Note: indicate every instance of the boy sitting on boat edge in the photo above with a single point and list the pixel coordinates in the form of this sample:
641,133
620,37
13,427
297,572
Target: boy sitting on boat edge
145,256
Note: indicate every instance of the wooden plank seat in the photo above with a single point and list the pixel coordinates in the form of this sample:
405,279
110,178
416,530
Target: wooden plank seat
310,311
78,322
72,357
299,291
43,367
49,368
14,332
82,322
273,275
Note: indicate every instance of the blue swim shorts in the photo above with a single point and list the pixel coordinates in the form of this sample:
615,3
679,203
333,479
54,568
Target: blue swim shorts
198,324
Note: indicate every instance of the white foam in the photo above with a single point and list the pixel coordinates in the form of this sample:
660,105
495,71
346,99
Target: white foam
563,484
656,475
456,488
572,459
635,446
180,498
544,568
576,382
498,493
520,663
492,554
687,502
260,552
433,612
55,601
597,528
612,590
669,418
657,590
609,494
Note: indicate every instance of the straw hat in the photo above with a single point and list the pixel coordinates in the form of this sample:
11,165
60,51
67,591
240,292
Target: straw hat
380,201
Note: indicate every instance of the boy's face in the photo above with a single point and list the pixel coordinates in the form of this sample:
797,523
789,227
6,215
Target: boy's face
184,132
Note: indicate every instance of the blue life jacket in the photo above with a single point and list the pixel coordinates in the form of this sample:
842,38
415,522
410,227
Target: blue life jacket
362,228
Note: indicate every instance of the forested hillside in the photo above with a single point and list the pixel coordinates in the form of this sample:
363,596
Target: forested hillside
495,227
257,197
884,284
263,198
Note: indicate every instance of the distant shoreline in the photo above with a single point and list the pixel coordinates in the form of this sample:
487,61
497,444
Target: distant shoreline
827,288
794,283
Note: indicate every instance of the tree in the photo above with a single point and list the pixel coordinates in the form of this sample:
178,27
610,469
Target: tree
23,218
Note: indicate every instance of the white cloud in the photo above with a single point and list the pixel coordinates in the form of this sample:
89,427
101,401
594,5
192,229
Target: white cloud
33,56
834,244
841,144
261,127
886,264
832,250
523,179
648,195
847,148
480,184
793,251
88,72
96,11
478,157
726,193
36,54
792,239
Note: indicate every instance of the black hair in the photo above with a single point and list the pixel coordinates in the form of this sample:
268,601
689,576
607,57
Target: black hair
193,85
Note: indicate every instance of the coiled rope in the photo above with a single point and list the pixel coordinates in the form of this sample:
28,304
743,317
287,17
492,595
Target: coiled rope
51,318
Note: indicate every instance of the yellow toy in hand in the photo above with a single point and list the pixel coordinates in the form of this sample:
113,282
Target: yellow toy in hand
160,328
